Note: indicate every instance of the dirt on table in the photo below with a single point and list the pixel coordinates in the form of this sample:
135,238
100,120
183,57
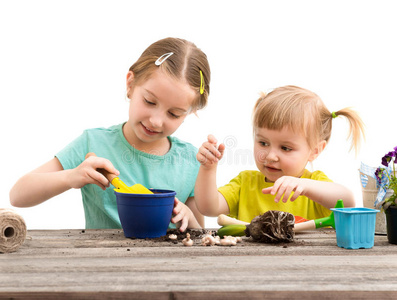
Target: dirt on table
195,234
117,239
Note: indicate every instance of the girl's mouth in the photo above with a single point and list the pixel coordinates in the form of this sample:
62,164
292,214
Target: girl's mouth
149,131
271,169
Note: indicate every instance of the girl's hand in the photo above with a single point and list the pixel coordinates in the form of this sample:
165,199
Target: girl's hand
87,172
283,187
182,214
209,154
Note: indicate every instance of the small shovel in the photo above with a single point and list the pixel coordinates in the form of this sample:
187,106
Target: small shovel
120,186
224,220
319,223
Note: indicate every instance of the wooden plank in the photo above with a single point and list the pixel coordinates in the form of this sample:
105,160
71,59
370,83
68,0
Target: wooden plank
84,243
231,273
197,251
307,295
92,262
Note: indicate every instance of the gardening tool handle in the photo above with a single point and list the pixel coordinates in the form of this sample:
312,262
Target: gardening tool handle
226,220
309,225
109,176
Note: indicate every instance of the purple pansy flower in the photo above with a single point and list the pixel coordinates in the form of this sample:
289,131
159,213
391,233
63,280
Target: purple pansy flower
391,183
387,158
378,174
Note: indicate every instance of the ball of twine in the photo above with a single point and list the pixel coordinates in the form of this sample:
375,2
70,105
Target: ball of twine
12,230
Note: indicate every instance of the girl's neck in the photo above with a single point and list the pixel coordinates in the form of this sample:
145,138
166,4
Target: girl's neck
159,147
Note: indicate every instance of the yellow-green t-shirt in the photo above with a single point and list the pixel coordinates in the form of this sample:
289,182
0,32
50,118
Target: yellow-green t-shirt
244,196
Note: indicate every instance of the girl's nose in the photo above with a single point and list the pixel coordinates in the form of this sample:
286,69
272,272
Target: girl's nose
272,156
156,120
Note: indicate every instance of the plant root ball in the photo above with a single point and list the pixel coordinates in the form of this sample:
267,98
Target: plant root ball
272,227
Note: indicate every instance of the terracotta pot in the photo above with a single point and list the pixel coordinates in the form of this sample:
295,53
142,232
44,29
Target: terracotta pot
391,223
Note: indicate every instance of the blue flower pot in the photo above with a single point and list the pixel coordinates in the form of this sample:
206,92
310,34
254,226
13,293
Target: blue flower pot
355,227
145,215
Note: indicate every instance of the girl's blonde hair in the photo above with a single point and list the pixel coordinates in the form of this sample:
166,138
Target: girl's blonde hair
184,64
303,111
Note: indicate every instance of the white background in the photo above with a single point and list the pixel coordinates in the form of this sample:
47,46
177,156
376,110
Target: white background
63,66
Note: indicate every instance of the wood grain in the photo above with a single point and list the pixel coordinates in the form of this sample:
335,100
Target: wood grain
88,264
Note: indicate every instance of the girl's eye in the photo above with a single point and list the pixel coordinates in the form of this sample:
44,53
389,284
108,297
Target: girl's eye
263,143
174,115
149,102
286,149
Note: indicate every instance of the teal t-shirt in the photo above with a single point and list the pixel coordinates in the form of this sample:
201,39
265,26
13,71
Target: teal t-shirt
176,170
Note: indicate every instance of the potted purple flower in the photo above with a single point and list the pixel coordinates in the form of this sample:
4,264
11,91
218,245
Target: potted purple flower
386,177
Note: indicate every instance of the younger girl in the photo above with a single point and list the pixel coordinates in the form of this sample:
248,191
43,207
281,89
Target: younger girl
291,128
168,82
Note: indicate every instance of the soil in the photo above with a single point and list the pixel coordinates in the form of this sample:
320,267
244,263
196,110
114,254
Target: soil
118,239
197,234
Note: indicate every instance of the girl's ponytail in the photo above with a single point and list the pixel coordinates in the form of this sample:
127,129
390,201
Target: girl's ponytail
356,126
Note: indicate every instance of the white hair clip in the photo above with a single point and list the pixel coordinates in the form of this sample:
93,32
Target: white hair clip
163,58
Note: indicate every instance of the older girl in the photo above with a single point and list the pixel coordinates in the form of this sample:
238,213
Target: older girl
167,83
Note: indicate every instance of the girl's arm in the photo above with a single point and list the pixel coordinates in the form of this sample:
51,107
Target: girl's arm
208,200
328,193
197,221
51,179
322,192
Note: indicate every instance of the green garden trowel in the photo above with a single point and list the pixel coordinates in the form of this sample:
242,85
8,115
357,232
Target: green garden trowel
319,223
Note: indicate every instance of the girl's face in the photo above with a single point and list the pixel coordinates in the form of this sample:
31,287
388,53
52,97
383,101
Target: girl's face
282,153
158,107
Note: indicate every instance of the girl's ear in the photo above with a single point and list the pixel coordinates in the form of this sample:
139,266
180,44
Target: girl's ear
317,150
130,79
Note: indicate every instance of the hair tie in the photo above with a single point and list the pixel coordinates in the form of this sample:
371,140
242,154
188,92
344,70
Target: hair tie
201,83
334,115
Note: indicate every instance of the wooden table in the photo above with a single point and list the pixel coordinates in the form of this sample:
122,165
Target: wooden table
87,264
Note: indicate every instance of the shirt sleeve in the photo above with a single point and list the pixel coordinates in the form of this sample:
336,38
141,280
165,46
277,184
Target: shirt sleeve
74,153
231,192
320,176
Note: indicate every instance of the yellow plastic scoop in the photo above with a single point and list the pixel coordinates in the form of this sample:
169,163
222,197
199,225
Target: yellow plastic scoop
120,186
